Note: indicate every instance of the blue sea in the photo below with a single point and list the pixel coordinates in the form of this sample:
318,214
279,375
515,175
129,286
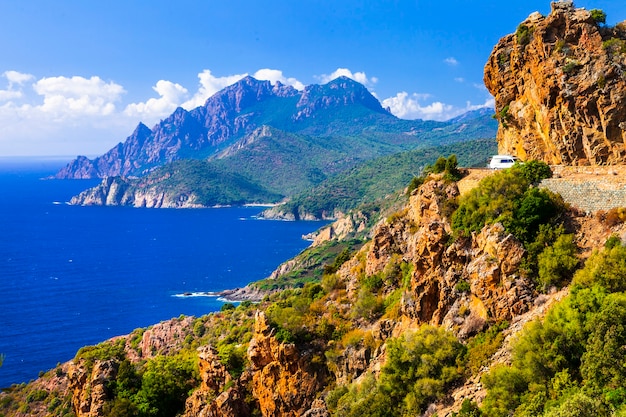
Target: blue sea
74,276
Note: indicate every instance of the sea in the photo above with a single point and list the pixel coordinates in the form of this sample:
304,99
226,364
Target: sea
73,276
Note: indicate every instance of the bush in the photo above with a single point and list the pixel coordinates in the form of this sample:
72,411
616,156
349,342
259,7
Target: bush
557,262
615,216
598,15
420,367
523,34
415,183
166,384
462,286
614,45
506,197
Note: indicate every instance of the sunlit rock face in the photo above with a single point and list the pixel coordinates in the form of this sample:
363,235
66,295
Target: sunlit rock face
560,88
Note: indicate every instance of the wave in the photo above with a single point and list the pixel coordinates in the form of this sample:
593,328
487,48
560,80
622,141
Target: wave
197,294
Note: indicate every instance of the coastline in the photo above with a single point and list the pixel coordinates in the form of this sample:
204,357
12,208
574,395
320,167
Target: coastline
235,295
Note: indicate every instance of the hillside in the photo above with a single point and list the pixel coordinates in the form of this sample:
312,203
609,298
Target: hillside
376,179
269,164
342,111
433,280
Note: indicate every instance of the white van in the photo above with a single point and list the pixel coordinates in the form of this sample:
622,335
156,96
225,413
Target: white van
502,161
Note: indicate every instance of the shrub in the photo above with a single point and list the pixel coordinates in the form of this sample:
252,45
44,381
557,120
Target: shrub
613,241
415,183
483,346
614,45
615,216
165,385
534,171
557,262
606,268
570,66
462,286
505,197
448,166
233,357
598,15
523,34
367,305
420,367
227,307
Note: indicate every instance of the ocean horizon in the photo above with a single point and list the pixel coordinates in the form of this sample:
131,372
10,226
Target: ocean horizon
75,276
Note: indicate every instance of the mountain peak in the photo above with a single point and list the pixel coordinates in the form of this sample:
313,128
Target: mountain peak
339,92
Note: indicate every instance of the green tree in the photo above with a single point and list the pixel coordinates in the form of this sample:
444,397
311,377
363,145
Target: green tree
557,262
598,15
166,384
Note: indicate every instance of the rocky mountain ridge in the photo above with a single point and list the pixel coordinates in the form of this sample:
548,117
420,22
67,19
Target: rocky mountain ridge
559,84
342,107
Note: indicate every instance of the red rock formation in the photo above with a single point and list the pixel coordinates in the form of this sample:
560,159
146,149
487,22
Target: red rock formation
560,89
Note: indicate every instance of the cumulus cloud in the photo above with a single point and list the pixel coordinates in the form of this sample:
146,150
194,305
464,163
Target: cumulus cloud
16,77
274,75
360,77
170,97
408,106
76,96
14,90
451,61
209,85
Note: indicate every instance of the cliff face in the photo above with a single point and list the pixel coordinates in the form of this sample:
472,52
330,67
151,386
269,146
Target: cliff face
488,262
560,89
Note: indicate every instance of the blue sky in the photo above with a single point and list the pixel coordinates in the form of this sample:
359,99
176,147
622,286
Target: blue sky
76,76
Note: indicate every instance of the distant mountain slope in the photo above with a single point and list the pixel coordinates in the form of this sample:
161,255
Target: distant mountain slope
340,109
375,179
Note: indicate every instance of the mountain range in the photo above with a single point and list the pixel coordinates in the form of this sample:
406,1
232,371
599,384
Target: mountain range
271,138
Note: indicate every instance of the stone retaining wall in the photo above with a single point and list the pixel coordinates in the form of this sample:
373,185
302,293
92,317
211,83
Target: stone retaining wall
588,195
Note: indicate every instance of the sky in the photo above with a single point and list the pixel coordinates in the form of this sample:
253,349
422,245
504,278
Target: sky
77,76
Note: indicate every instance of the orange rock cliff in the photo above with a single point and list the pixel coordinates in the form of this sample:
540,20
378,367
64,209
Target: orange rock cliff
560,88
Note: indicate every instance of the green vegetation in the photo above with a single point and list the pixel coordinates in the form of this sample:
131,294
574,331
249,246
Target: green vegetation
157,389
378,178
598,16
574,357
506,197
420,367
531,214
311,264
504,116
615,46
570,65
523,34
211,184
283,158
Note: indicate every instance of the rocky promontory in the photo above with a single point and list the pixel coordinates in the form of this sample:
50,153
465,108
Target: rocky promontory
560,88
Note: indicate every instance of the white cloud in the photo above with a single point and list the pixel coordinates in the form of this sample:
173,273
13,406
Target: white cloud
170,97
77,96
6,95
360,77
273,76
209,85
451,61
459,79
407,106
15,77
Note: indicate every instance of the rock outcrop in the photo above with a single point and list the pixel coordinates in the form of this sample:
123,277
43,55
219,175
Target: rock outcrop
560,88
488,262
285,379
88,385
